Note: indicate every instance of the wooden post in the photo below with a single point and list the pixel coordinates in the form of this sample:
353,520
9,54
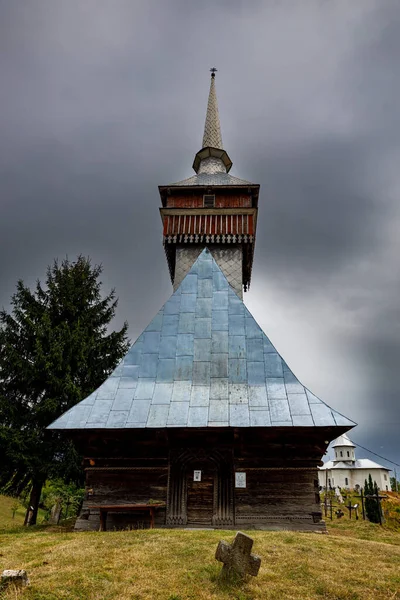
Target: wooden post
331,509
67,508
326,492
379,507
362,504
103,520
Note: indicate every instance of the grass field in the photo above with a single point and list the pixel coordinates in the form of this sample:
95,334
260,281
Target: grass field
6,518
6,513
356,560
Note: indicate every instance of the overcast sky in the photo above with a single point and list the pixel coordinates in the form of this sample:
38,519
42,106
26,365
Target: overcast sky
102,101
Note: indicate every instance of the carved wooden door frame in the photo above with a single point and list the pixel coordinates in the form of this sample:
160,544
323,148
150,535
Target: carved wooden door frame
179,460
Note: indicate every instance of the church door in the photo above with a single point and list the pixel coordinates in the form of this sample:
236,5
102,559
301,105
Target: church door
200,489
200,497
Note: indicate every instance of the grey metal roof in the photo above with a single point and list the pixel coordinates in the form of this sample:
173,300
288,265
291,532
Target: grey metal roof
203,361
209,179
361,463
343,440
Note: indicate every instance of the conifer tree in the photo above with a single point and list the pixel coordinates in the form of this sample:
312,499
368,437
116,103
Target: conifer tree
55,349
372,507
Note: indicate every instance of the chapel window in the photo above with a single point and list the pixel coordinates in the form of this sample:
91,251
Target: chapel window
208,201
346,481
385,476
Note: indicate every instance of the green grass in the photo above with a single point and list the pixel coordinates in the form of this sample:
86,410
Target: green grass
355,561
6,514
364,529
6,518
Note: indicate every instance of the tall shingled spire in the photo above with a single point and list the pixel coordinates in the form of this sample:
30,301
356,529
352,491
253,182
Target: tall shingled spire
212,129
212,158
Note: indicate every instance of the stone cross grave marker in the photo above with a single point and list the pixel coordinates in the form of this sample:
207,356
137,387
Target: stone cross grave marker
237,556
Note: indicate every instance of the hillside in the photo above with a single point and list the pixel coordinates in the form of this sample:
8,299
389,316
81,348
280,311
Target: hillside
6,518
356,560
6,513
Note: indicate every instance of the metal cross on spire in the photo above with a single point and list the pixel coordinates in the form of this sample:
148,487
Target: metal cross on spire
213,71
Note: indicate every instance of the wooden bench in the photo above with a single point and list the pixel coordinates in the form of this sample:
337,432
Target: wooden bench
104,509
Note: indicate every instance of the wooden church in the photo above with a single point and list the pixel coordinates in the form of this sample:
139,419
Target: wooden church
203,424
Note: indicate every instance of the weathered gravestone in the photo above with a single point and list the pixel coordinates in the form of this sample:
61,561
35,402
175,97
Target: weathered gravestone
17,577
55,513
237,557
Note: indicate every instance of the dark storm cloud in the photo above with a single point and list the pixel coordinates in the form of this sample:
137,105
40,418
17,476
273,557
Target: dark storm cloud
102,101
321,207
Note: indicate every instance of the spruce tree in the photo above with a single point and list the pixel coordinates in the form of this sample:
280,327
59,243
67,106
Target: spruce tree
55,349
372,507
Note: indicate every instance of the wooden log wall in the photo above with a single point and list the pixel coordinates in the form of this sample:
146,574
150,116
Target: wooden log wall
276,496
221,201
282,489
123,486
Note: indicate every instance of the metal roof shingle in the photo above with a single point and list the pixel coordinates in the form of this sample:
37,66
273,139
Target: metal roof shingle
202,361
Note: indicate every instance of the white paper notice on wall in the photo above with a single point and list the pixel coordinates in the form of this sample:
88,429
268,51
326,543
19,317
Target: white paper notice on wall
240,479
196,475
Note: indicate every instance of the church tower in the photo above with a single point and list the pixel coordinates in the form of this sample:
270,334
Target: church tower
344,449
211,209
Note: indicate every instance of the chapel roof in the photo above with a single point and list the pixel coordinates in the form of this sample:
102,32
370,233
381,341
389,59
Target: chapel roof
343,440
203,361
361,463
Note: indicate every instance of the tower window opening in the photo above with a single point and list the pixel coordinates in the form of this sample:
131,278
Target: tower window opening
208,201
341,453
348,453
385,476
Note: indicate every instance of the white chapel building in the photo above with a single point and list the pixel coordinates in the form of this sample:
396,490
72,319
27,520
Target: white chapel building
345,471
